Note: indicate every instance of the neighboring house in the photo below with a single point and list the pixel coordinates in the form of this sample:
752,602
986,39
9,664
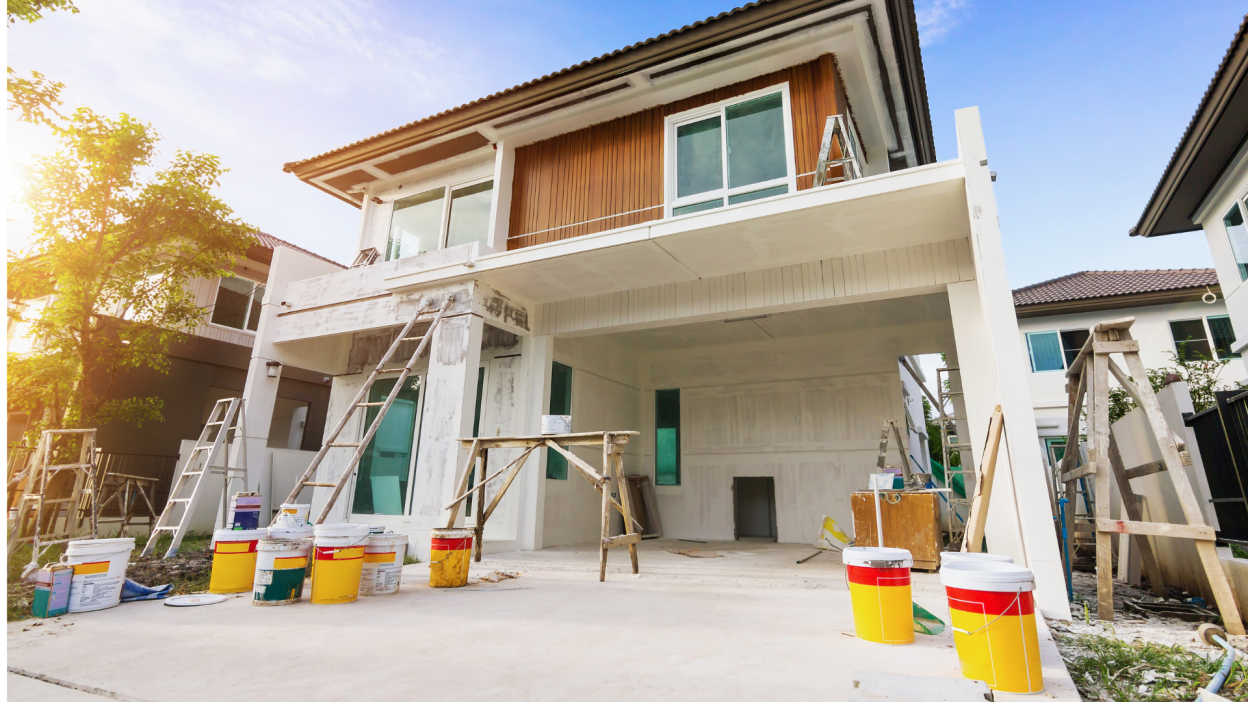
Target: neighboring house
207,366
1205,185
638,241
1178,314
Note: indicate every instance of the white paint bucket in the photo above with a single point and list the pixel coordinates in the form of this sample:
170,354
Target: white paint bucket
281,565
383,564
947,557
300,512
99,571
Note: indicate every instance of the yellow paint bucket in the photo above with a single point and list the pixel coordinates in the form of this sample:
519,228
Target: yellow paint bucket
337,559
234,560
450,552
993,618
879,588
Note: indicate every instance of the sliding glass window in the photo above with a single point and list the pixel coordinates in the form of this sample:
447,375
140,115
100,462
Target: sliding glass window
440,218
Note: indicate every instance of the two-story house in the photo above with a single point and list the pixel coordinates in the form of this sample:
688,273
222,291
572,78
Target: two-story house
1178,314
646,241
1205,185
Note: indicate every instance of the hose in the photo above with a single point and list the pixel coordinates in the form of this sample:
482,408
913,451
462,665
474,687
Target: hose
1225,670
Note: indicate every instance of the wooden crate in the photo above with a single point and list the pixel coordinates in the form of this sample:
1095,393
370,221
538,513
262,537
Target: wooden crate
911,521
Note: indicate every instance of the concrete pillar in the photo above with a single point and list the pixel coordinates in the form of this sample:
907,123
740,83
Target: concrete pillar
538,353
500,208
990,347
450,396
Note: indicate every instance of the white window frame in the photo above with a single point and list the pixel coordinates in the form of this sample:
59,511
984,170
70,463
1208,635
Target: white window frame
1031,357
700,113
250,299
444,227
1204,323
1242,203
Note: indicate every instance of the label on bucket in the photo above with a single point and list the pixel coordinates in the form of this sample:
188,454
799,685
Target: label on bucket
93,587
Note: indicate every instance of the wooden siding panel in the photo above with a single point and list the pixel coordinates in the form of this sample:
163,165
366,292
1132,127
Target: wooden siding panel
608,171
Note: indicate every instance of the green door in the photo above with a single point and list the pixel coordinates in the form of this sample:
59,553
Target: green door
381,483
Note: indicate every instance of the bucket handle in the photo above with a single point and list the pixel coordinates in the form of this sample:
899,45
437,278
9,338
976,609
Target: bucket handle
1017,595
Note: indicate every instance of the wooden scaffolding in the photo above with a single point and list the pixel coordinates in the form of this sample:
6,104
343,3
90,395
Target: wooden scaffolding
1088,381
612,443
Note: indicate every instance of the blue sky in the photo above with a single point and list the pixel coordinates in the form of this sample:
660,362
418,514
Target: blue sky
1082,102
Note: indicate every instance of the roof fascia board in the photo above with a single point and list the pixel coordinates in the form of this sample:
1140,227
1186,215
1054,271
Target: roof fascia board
1210,110
1092,304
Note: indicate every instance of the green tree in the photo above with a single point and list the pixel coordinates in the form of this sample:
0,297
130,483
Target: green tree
113,250
34,98
1202,376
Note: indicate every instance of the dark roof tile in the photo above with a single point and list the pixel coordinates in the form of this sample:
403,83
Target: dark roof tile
1086,285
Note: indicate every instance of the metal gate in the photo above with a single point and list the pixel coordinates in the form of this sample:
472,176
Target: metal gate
1222,435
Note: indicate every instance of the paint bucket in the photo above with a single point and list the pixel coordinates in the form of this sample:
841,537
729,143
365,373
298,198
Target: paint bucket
300,512
281,565
338,558
383,563
947,557
244,511
450,552
992,614
234,559
879,588
99,570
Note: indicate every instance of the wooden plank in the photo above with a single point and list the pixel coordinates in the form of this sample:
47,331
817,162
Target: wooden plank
973,538
1082,471
626,501
463,482
576,461
1178,531
1098,436
606,507
1115,324
630,540
479,503
1124,346
1146,469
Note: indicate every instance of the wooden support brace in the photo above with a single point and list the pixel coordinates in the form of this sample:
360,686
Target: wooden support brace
978,517
1180,531
621,540
1082,471
1146,469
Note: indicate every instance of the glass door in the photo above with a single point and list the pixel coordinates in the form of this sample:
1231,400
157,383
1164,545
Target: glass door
382,477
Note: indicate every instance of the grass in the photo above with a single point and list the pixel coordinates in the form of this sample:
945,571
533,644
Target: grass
409,560
189,570
1105,668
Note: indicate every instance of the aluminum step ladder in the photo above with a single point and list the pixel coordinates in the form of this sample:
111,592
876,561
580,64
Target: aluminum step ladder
958,508
361,446
227,417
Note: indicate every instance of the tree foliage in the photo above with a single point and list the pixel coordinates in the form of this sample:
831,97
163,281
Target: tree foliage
31,10
113,251
1200,374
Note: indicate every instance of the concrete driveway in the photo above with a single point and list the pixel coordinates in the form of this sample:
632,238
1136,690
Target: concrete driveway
750,624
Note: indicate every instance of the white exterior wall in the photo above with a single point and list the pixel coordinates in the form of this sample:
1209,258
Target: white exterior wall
1231,187
1151,329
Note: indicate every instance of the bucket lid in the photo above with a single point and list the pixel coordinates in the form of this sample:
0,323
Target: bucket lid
347,529
387,538
960,556
283,544
876,557
99,546
376,528
987,576
282,531
239,534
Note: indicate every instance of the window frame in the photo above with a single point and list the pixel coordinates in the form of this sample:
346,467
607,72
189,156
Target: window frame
251,297
1031,357
679,450
571,398
672,122
444,224
1212,342
1241,202
1204,325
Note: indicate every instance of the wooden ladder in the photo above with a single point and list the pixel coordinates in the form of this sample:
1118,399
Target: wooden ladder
227,417
38,515
1088,379
360,400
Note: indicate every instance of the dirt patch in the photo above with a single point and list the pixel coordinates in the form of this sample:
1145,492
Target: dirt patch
189,572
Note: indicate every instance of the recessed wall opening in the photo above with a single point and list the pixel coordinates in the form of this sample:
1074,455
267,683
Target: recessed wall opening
754,507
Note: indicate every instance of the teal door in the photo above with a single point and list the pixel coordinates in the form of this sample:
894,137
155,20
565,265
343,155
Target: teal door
381,482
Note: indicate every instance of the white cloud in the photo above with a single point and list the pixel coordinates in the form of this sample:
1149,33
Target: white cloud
937,18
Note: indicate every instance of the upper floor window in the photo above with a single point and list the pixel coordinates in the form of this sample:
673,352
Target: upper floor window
730,153
439,218
238,304
1193,342
1053,350
1238,234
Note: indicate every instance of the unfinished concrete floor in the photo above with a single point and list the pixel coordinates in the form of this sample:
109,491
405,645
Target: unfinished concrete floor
748,625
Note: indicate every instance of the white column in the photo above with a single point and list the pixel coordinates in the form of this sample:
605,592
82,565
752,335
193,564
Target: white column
1000,365
538,353
500,207
450,396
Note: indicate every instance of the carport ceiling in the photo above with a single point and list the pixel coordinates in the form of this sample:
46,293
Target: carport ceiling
842,319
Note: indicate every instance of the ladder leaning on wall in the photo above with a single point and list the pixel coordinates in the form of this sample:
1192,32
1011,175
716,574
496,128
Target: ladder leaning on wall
360,400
